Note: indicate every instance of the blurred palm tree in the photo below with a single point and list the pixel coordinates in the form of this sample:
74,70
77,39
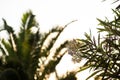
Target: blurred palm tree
30,53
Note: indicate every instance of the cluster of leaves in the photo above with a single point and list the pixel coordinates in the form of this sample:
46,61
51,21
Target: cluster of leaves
25,53
103,54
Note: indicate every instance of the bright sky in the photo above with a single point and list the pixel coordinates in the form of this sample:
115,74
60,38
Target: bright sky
50,13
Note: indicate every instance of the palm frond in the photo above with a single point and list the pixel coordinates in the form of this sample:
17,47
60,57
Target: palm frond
8,47
84,68
28,20
7,27
93,74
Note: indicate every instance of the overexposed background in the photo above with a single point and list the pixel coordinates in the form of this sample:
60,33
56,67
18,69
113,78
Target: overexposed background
50,13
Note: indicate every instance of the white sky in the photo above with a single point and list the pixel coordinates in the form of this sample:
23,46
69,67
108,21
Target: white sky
50,13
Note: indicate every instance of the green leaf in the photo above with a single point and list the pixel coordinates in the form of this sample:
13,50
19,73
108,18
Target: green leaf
8,47
93,74
7,27
84,68
3,50
101,29
88,37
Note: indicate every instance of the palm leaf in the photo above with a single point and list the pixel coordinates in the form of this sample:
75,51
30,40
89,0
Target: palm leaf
3,50
46,35
8,47
84,68
93,74
60,48
28,20
7,27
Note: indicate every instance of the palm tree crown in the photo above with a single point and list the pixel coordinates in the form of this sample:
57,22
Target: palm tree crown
26,54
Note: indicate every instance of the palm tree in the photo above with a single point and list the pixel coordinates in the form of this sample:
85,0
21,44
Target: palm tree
27,53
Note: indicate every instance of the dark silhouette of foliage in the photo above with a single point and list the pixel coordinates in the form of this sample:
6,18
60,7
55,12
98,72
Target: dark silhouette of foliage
102,54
